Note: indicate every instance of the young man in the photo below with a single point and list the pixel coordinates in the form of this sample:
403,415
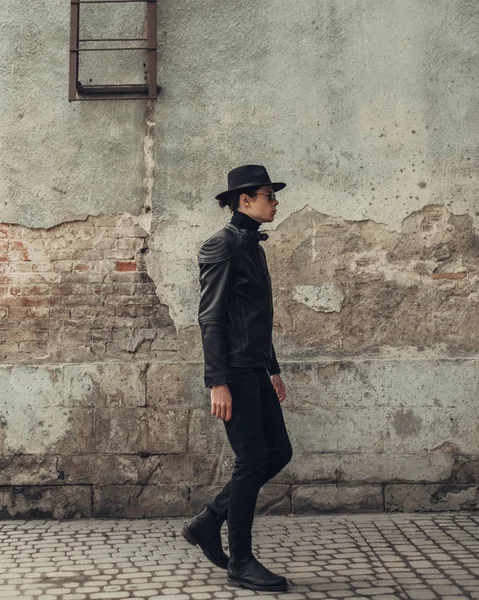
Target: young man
236,320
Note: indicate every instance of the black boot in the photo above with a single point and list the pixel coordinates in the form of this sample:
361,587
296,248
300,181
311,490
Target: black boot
250,573
244,570
204,531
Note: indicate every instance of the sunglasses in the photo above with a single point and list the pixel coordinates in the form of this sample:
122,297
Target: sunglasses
271,195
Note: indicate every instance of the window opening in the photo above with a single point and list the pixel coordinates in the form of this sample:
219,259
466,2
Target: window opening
81,90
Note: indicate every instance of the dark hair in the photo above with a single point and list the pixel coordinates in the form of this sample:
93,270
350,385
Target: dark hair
232,200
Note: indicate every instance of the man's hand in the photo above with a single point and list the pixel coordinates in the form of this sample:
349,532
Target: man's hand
279,386
221,403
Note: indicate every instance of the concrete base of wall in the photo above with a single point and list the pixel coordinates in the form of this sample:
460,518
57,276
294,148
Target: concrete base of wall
137,439
152,501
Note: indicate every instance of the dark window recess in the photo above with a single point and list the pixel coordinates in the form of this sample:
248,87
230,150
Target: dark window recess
83,48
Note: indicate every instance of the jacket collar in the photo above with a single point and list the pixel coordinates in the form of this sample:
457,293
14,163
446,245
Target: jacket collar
256,235
244,221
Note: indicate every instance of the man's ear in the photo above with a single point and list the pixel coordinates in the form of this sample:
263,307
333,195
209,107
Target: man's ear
244,198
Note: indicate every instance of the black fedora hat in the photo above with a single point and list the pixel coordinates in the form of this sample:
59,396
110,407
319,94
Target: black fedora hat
248,176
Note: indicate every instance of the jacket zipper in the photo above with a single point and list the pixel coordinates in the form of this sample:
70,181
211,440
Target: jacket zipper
268,288
244,334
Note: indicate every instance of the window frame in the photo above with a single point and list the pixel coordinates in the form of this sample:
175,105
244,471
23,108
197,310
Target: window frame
79,91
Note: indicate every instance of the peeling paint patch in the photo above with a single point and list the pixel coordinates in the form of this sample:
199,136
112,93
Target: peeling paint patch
79,292
33,424
149,167
465,469
413,289
406,423
450,493
447,448
327,297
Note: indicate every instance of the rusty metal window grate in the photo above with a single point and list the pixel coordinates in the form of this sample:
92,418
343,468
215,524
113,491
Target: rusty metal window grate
79,44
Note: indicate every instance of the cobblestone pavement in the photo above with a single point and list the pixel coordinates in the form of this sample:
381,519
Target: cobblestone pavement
377,556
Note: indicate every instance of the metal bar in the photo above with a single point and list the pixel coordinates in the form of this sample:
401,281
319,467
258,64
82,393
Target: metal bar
131,88
152,57
114,40
116,96
104,49
105,1
74,36
145,97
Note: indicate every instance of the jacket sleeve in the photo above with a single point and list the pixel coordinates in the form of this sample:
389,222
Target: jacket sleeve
216,269
274,369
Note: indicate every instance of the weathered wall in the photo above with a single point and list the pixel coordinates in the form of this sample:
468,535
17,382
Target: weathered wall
367,110
61,161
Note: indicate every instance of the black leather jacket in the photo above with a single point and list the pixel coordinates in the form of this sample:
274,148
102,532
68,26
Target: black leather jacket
236,304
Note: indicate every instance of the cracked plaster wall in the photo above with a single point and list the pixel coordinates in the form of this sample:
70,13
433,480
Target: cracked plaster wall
367,110
363,107
62,161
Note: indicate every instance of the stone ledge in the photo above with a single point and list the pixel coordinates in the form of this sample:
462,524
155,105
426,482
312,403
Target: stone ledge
45,502
163,500
140,501
312,499
134,469
432,497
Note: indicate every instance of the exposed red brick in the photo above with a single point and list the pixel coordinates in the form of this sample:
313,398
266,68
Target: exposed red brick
19,267
80,300
30,290
79,277
31,347
26,335
60,312
38,311
80,295
41,266
35,301
30,278
15,312
82,267
63,266
17,250
123,265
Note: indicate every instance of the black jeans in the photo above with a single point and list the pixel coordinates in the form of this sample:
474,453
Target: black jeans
259,439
